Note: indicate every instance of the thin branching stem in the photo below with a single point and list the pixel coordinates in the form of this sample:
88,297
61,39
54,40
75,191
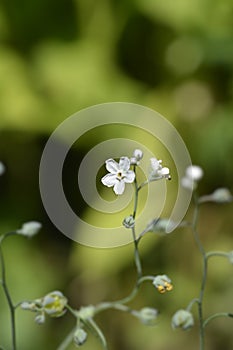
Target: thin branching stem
204,273
67,341
7,294
217,315
136,251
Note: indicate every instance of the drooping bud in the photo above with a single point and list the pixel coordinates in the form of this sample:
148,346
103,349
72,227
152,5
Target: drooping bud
30,228
80,337
162,283
129,221
182,319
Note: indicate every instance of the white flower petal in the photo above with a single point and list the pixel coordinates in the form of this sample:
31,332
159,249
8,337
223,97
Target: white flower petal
155,164
109,180
124,163
129,177
119,187
138,154
194,172
188,183
164,171
112,166
30,228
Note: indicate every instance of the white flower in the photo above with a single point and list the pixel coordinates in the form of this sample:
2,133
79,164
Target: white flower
80,336
193,174
119,174
158,171
162,283
137,156
2,168
220,195
147,315
182,319
30,228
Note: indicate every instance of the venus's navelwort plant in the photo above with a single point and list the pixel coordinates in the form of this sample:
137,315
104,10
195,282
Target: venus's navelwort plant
55,304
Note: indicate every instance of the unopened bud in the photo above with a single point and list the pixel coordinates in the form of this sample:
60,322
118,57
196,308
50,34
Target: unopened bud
182,319
80,336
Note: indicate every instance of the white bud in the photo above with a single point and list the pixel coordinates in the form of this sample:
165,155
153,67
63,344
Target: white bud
30,228
129,222
182,319
86,312
40,318
80,336
2,168
194,172
147,316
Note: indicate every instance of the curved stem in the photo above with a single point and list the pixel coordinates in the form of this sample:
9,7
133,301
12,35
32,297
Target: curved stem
8,297
132,294
217,253
192,302
212,317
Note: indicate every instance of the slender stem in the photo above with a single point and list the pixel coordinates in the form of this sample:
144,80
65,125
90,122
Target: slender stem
8,297
68,339
192,302
204,273
136,251
132,294
136,254
212,317
114,305
217,253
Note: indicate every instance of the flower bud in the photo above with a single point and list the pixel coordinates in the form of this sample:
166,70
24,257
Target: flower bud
129,222
221,195
160,226
80,336
148,315
137,156
86,312
162,283
230,257
30,228
40,318
182,319
2,168
31,306
193,174
54,304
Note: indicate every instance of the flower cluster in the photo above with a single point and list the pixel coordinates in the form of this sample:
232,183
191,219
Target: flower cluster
120,173
52,304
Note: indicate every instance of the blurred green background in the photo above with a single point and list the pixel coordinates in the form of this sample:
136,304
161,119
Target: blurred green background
57,57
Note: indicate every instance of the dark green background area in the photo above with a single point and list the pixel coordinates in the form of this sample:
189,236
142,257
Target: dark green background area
57,57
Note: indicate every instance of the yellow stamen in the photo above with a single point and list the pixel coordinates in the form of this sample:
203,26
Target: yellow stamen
168,286
161,289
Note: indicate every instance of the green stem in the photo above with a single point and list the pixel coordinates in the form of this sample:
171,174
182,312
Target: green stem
8,297
220,314
204,273
68,339
192,302
132,294
136,251
217,253
136,254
